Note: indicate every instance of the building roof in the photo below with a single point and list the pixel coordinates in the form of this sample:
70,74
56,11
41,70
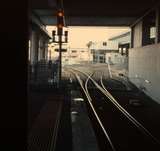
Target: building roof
123,38
36,20
120,36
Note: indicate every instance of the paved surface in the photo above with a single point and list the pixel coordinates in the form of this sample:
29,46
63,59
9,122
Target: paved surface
36,101
45,126
83,135
49,124
119,68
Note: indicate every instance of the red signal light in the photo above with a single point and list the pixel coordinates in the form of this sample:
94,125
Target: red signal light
60,14
60,19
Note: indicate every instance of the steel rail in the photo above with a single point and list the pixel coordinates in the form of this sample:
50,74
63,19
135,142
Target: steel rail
85,90
121,109
128,115
98,119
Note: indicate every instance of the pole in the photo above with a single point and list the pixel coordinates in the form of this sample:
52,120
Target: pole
60,58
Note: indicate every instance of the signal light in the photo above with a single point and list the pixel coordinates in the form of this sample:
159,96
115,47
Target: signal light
60,26
60,14
60,19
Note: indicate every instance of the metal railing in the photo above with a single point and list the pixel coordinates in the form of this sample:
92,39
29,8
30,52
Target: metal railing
42,73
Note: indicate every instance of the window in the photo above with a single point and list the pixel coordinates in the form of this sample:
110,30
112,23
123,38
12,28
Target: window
101,59
74,56
74,51
152,32
92,51
104,43
149,28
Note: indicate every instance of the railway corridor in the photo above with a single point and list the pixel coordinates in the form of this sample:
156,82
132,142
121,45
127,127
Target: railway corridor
124,119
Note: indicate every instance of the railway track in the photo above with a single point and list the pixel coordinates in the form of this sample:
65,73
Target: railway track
122,131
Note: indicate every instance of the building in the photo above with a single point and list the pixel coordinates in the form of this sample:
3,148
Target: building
75,56
101,50
38,51
38,40
144,54
124,41
71,55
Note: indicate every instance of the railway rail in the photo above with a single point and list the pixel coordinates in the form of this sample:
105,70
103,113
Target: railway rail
108,100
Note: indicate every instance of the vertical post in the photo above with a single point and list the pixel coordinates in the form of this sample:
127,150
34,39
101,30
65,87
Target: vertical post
60,24
50,54
132,37
60,58
157,38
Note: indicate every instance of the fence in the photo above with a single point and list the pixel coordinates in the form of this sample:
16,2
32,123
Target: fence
43,73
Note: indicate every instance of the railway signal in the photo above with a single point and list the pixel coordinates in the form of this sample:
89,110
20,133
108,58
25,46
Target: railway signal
60,22
60,25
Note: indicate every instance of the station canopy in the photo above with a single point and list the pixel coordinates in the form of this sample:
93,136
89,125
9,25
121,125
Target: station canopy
92,12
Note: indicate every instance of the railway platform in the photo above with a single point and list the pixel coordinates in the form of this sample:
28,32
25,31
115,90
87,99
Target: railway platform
49,126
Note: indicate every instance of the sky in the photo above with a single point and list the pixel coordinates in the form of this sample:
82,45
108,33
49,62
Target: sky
78,37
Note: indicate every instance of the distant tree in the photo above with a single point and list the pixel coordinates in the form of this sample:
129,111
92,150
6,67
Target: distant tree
89,44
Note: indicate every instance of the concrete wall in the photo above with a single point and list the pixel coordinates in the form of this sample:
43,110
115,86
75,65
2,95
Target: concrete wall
137,33
115,58
144,69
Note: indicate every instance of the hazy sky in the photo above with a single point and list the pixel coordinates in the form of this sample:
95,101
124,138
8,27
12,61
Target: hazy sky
78,37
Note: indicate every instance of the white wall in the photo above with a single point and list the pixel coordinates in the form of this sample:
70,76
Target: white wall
111,45
115,58
80,56
137,41
144,64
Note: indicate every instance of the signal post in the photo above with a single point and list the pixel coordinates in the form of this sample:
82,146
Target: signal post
60,25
